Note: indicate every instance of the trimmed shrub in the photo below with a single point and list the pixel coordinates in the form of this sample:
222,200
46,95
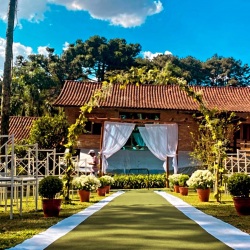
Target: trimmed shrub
139,181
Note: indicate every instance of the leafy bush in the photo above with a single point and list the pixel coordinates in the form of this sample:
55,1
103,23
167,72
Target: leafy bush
183,178
239,185
86,182
201,179
49,186
174,179
103,181
109,180
49,132
139,181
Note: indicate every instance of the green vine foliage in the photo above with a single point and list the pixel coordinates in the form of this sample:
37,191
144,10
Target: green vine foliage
215,127
78,128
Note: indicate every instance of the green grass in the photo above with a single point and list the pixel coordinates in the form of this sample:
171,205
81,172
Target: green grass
138,219
20,228
224,211
15,231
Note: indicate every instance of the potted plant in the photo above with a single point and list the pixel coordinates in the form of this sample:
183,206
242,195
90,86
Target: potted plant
109,181
85,184
174,182
104,182
202,181
183,187
239,187
48,188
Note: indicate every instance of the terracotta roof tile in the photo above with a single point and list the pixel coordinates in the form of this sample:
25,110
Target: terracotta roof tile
156,97
20,126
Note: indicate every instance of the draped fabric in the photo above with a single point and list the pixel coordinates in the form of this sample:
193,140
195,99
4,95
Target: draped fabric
115,136
138,139
162,141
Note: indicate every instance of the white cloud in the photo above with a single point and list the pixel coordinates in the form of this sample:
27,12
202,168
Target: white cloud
42,50
26,9
65,46
129,13
18,49
149,55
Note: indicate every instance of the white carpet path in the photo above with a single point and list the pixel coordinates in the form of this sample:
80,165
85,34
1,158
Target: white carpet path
231,236
44,239
226,233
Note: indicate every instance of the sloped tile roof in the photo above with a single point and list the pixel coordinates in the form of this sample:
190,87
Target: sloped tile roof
236,99
20,126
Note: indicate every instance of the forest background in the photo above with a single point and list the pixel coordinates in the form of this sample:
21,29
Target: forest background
38,79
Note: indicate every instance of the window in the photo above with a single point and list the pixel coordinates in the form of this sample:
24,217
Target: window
141,116
246,131
93,128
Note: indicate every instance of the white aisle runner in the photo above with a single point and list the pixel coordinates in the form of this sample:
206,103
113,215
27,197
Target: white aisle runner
223,231
44,239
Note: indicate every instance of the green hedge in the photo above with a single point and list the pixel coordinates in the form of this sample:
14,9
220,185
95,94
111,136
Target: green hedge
139,181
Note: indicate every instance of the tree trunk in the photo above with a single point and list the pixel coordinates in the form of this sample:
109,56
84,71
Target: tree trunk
6,89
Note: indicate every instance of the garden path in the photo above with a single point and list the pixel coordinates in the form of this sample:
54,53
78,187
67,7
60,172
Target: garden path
139,219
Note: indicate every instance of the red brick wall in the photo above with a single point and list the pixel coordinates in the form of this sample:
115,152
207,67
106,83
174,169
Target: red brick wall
184,120
88,141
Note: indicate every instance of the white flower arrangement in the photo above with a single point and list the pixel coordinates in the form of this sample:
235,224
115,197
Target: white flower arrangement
201,179
174,179
106,180
86,182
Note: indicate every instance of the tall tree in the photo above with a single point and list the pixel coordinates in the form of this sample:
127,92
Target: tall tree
222,71
35,84
96,56
216,71
49,132
193,70
6,88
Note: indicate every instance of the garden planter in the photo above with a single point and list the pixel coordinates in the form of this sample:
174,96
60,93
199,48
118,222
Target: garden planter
183,190
107,189
242,205
101,191
51,207
84,195
203,194
176,189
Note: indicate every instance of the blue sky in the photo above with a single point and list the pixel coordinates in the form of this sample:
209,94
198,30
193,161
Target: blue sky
199,28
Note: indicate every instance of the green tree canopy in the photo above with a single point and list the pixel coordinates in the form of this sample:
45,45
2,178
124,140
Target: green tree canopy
221,71
49,132
97,55
216,71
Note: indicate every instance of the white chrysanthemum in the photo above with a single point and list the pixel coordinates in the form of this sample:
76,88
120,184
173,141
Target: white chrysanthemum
201,179
86,182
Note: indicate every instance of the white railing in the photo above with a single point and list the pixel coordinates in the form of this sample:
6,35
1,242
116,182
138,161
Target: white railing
238,162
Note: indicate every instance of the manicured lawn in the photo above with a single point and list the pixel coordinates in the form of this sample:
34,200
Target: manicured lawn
13,232
224,211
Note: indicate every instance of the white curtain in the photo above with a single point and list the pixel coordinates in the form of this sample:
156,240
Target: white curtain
115,136
162,141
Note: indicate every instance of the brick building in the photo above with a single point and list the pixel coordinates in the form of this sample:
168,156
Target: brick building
20,126
153,104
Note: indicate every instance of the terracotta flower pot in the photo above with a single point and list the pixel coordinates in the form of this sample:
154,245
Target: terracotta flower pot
84,195
107,189
203,194
242,205
176,189
101,191
183,191
51,207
